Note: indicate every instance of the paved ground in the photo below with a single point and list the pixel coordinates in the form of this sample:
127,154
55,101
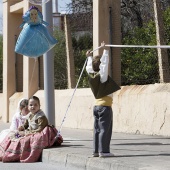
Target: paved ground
132,152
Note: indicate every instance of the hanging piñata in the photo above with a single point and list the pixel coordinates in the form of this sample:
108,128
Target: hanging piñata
34,39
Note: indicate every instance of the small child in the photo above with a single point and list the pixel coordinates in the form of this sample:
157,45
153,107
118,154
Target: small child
36,120
17,120
19,117
102,87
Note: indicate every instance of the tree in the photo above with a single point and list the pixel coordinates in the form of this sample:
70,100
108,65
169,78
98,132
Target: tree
166,17
80,46
137,12
134,13
80,15
60,70
81,24
140,66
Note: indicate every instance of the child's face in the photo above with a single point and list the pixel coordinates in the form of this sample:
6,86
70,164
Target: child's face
25,111
33,106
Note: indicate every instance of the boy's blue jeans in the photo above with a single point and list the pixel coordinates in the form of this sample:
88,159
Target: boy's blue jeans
103,120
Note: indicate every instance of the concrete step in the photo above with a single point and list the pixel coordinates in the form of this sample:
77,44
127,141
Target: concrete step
132,152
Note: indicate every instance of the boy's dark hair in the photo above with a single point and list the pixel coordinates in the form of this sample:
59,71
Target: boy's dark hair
96,63
35,98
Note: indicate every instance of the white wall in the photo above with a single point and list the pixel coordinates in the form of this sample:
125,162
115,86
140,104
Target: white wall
137,109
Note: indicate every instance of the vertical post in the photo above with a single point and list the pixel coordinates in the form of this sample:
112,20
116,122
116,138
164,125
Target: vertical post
49,69
116,39
164,71
111,41
9,83
70,57
101,33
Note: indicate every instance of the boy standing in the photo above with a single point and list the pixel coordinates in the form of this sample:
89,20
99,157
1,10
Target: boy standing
102,86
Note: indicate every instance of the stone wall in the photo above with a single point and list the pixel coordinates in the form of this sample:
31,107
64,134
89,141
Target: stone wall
137,109
143,109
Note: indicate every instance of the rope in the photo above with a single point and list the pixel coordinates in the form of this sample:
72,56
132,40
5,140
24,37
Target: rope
140,46
75,91
33,72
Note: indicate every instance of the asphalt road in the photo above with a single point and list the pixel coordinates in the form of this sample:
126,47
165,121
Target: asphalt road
32,166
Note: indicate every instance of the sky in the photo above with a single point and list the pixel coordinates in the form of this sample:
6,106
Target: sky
61,9
62,5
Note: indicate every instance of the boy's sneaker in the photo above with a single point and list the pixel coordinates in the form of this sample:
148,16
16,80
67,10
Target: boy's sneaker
104,155
95,154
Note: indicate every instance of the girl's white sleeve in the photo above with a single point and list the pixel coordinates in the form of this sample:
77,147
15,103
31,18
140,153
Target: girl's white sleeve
104,66
89,67
13,123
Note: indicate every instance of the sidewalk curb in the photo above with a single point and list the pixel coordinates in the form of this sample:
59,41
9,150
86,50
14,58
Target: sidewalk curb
83,162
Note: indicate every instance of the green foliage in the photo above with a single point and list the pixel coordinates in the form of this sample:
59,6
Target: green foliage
60,59
166,17
80,46
1,62
140,65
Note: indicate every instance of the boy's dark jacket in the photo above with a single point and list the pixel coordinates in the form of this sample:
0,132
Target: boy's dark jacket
102,89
